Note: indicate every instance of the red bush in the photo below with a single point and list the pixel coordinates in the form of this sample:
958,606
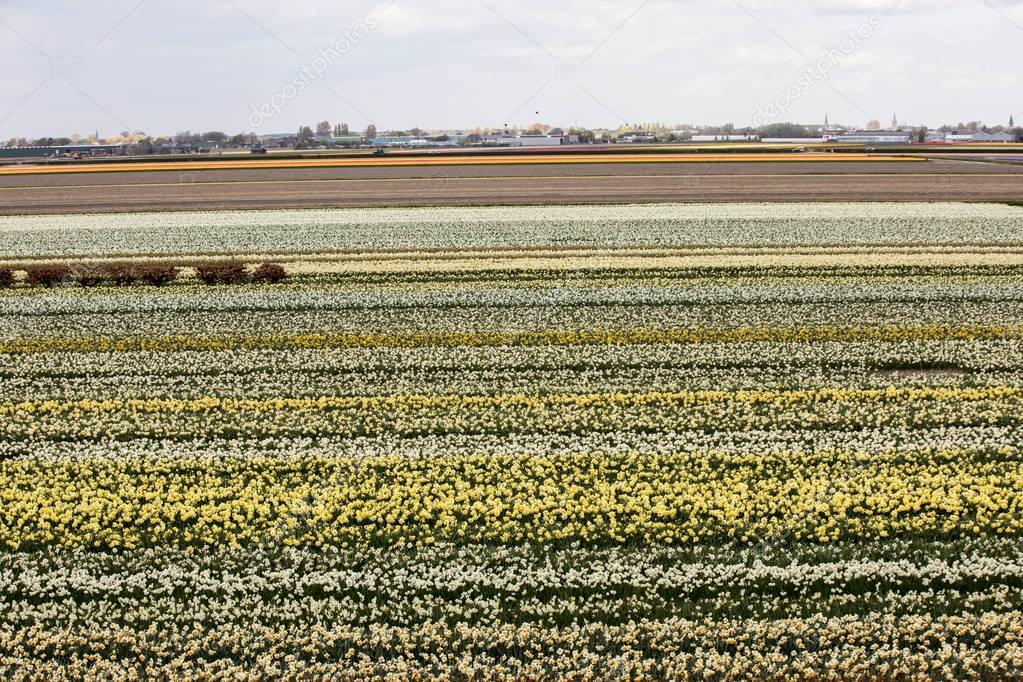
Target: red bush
223,272
89,275
158,275
121,274
6,278
47,275
270,273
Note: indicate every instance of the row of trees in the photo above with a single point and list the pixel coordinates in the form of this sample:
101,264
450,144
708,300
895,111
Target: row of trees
209,138
325,129
307,136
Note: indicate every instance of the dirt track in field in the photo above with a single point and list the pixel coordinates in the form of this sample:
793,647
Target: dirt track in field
474,185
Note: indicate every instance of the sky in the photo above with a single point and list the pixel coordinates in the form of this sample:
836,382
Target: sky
274,65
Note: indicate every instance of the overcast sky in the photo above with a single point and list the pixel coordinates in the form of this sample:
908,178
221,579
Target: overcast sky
272,65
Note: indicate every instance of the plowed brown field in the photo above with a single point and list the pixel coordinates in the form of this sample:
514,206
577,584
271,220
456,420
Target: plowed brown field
218,188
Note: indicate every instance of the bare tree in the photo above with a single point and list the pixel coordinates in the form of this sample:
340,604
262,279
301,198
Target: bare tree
305,137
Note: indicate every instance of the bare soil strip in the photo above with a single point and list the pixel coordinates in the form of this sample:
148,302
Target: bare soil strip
513,191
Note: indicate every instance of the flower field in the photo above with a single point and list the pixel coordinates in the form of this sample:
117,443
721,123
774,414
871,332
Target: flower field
780,154
710,442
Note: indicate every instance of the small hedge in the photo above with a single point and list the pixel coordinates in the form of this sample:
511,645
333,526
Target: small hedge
89,276
120,274
158,275
47,276
223,272
270,273
153,274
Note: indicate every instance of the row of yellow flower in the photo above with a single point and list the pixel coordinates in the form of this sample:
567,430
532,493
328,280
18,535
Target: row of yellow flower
594,498
736,411
817,334
776,398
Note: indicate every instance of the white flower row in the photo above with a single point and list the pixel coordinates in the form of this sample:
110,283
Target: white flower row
342,298
983,644
287,376
460,228
524,318
776,442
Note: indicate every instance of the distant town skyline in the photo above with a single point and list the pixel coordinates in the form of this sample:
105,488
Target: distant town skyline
270,66
686,127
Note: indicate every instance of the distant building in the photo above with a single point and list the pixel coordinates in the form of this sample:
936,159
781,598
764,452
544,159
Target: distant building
638,136
831,131
278,140
998,136
979,136
725,138
874,138
791,140
340,140
529,140
399,141
63,150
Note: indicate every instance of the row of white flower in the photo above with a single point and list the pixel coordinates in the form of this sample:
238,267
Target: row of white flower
546,584
285,376
460,228
494,370
980,645
478,570
340,297
523,318
1001,440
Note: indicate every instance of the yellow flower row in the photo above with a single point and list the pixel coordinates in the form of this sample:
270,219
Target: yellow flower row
679,399
815,334
598,498
832,408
